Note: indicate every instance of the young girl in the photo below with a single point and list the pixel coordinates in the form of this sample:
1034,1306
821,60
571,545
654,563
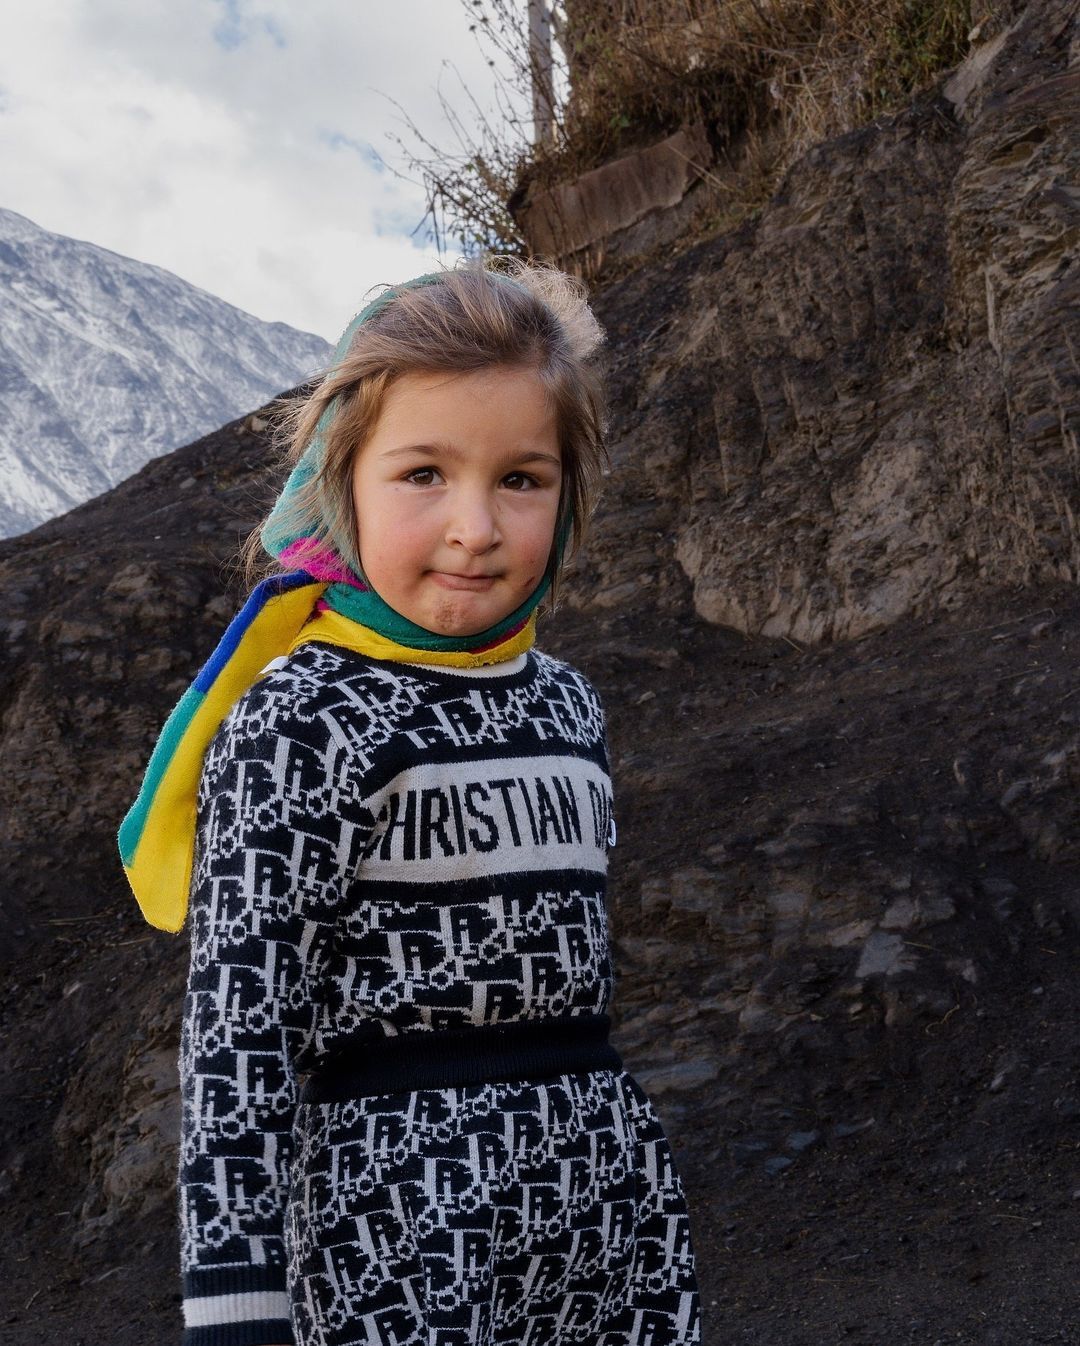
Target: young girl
403,1122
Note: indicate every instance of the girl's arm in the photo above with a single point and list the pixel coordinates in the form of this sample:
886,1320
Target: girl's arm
277,843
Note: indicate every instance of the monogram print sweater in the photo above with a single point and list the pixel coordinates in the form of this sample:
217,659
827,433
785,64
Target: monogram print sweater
382,849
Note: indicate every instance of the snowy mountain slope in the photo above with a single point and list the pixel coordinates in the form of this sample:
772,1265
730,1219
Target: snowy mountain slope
106,362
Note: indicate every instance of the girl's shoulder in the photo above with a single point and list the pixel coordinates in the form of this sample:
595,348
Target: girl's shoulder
570,685
296,695
558,670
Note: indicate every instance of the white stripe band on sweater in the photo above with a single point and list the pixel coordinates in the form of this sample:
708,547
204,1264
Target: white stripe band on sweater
254,1307
498,815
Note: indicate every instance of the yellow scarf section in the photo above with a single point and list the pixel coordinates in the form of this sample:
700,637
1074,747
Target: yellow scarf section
158,836
334,629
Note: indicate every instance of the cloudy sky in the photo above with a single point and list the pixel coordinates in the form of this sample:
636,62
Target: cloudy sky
238,143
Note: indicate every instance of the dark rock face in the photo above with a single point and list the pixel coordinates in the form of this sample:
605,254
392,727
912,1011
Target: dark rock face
844,898
109,612
866,403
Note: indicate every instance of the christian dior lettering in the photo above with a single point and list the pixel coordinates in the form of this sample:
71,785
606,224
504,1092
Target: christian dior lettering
527,809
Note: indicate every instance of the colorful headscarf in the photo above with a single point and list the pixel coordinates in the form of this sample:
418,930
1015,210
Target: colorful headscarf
318,597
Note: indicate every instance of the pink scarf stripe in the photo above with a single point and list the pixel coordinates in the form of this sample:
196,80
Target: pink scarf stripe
319,560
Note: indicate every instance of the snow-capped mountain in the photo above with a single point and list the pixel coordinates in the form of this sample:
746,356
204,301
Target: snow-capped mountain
106,362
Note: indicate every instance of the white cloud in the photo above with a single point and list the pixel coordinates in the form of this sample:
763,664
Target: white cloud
235,142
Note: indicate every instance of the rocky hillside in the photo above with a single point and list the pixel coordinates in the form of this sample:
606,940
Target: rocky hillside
866,403
106,362
831,603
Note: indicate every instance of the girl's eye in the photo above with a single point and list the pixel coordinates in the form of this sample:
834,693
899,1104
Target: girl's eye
519,481
421,476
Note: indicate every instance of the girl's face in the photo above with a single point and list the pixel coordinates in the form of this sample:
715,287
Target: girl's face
456,494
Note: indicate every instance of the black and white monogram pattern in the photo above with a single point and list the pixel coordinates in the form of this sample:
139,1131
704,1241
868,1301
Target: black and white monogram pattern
385,849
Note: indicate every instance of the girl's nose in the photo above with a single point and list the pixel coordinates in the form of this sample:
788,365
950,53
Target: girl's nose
472,525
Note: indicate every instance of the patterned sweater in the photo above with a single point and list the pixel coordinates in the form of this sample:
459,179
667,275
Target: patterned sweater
381,849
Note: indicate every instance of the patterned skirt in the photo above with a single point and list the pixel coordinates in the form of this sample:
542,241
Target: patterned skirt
517,1213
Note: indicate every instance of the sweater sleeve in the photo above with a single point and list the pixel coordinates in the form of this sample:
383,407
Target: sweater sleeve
278,838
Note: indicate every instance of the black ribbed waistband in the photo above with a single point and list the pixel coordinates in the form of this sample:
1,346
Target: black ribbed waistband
520,1049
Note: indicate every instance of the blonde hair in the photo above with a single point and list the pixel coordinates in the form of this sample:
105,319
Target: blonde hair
470,319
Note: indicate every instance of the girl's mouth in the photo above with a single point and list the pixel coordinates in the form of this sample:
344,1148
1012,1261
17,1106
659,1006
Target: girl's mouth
469,583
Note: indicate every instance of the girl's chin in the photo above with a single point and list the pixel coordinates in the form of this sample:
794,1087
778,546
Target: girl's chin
462,619
462,627
460,613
